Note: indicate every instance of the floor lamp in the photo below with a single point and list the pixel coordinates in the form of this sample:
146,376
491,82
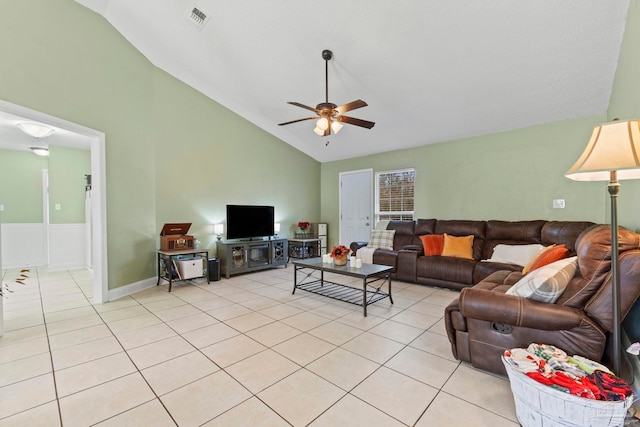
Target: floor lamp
613,154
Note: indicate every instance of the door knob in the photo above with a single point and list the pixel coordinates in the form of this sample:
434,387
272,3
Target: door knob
367,224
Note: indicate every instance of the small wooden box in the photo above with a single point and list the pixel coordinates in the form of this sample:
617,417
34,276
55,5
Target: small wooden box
173,237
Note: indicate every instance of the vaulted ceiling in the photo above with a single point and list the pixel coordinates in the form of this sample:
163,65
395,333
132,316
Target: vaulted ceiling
430,70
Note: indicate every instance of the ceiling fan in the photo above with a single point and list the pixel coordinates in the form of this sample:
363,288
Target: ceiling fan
331,116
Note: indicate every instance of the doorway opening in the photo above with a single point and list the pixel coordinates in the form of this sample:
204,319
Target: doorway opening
96,144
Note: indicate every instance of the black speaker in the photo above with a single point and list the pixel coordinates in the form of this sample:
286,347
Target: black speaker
213,269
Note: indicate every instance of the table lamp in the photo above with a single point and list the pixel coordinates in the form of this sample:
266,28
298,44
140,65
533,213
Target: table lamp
218,229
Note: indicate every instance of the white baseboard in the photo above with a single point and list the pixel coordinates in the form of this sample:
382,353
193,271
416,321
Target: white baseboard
132,288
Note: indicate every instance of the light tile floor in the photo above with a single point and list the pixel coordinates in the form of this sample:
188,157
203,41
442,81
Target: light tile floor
237,352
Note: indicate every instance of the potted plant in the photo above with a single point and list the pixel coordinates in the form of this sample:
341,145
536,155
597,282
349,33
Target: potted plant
304,230
339,254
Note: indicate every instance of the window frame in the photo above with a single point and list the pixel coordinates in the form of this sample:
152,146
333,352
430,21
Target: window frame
406,215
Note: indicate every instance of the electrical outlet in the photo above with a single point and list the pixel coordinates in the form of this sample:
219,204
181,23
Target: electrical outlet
58,207
558,203
1,208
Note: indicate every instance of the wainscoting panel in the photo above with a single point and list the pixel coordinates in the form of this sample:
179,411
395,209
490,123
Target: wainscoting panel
67,246
23,245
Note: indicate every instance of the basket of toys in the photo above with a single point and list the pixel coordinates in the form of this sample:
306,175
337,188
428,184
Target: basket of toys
551,389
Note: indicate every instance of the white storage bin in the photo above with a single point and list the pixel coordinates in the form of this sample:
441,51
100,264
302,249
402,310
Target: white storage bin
190,268
538,405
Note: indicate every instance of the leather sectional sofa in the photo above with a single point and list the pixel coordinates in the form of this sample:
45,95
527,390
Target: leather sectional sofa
484,320
411,265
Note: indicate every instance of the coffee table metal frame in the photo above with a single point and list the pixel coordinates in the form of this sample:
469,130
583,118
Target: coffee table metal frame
371,274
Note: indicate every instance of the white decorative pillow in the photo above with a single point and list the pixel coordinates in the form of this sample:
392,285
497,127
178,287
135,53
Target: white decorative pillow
382,239
547,283
515,254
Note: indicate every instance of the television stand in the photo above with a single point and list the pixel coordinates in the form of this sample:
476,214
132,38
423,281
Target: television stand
244,256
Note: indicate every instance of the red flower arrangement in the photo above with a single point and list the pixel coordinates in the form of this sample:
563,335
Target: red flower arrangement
340,251
303,225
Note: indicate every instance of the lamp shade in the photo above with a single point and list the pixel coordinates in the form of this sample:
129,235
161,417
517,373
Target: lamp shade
218,228
614,146
276,227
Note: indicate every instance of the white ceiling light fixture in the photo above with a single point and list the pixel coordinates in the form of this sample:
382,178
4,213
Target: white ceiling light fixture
40,151
36,130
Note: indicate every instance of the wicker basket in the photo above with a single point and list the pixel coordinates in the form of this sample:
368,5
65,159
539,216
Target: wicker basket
538,405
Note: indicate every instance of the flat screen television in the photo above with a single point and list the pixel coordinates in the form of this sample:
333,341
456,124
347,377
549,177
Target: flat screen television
249,221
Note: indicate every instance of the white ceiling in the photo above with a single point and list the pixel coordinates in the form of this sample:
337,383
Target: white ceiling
430,70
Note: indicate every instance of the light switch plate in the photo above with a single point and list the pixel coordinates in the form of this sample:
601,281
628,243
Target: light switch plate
558,203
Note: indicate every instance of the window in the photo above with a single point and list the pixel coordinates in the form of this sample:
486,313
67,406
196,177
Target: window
395,194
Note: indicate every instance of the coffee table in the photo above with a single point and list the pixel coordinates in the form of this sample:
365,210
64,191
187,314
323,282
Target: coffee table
370,274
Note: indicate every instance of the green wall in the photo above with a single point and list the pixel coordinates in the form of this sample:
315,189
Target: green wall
171,153
67,168
511,175
625,104
21,186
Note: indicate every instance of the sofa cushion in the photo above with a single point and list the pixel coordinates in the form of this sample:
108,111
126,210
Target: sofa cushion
455,227
381,239
567,232
432,244
405,233
458,246
445,270
547,283
510,233
546,256
515,254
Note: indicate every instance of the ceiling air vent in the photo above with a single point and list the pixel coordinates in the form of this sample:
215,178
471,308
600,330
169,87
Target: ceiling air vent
197,17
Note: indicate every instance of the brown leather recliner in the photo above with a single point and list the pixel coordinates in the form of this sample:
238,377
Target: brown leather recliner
484,321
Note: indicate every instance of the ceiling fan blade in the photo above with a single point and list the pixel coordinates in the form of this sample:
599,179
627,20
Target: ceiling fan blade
353,121
306,107
296,121
358,103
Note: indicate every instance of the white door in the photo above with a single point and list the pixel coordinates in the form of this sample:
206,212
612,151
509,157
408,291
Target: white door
356,206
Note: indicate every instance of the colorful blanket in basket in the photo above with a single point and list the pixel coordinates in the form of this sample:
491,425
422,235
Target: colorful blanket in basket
575,375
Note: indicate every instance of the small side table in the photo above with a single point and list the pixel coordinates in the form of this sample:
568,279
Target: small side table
304,248
167,267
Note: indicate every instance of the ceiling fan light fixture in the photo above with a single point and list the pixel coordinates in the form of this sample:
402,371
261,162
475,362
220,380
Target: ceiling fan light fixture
329,113
36,130
323,123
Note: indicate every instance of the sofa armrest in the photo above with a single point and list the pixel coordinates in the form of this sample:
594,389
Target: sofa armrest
517,311
354,246
414,248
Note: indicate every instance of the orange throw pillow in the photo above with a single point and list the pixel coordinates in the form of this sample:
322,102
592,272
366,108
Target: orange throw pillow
433,244
546,256
459,247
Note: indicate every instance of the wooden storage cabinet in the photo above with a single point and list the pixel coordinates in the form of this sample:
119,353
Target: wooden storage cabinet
320,233
246,256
